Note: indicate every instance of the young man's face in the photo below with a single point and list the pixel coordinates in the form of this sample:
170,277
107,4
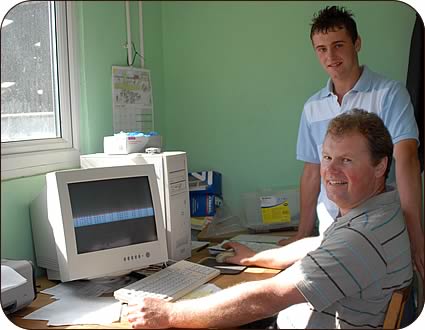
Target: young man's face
336,53
347,171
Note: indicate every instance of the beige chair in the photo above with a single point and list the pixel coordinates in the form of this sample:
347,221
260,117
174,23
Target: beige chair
395,308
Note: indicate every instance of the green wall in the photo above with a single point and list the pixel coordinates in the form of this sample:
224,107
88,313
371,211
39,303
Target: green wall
229,83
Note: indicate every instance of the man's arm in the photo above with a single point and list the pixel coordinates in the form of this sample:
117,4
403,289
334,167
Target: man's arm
410,190
230,307
309,191
279,258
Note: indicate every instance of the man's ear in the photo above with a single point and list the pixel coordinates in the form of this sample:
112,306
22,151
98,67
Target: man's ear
381,167
358,44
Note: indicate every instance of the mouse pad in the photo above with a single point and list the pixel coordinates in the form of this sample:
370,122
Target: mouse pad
224,268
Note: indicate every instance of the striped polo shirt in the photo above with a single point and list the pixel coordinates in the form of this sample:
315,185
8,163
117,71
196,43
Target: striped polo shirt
389,99
348,281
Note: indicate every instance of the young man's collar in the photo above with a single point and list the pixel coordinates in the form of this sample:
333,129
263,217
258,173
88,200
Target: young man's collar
361,85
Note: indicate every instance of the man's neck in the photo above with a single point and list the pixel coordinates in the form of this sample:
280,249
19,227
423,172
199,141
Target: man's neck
380,188
343,86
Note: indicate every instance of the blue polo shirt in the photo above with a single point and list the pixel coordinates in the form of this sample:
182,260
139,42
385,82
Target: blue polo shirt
389,99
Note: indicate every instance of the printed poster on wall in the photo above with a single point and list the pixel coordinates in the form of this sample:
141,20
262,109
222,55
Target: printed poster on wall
132,104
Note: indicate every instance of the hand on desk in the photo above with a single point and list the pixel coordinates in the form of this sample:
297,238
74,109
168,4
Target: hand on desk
149,313
241,253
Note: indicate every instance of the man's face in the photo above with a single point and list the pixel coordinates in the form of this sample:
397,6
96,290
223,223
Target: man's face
347,171
336,53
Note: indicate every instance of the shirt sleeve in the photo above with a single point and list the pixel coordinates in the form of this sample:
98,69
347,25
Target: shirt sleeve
306,146
398,114
343,266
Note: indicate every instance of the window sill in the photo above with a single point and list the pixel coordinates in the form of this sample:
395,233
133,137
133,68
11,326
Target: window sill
15,166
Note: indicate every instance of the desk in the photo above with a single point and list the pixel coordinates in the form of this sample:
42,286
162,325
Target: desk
222,281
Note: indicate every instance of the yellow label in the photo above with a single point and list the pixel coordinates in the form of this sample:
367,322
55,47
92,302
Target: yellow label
278,213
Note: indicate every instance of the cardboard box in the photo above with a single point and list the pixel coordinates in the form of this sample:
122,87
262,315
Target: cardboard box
207,182
121,144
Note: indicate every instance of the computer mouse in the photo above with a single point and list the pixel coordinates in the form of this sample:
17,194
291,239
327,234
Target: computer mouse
221,257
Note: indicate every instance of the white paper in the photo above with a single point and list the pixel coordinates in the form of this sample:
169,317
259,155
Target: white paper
10,278
195,245
86,288
202,291
79,310
132,104
255,246
258,238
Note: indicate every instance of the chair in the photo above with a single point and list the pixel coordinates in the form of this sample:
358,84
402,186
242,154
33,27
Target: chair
395,309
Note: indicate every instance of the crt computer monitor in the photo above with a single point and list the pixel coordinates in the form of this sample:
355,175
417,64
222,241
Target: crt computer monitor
92,223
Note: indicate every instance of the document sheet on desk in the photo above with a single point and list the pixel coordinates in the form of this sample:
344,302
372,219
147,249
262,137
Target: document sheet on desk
79,302
79,310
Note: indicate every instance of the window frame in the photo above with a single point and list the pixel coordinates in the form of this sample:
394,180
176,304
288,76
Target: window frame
34,157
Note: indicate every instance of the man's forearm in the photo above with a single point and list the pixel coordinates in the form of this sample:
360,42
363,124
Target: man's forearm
234,306
309,191
285,256
410,191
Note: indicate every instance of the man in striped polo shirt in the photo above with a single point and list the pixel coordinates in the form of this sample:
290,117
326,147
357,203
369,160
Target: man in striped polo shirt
336,43
343,279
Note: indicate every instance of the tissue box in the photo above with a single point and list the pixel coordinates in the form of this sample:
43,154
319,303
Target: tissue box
206,182
121,144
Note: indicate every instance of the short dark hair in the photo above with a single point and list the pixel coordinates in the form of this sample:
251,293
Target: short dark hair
371,127
333,17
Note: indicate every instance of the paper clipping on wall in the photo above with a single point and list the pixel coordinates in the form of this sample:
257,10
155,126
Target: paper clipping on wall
132,102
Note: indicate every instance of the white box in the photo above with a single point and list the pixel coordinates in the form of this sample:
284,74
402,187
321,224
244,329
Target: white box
172,178
121,144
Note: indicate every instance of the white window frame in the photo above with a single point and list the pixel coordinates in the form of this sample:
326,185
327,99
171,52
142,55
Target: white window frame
28,158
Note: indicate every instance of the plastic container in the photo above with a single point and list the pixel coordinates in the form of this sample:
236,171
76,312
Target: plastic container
271,209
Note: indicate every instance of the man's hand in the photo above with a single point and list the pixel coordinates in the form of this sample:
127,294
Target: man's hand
242,253
149,313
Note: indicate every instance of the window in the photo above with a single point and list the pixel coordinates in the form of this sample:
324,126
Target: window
39,89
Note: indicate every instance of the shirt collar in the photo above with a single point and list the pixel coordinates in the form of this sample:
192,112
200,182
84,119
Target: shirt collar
390,196
362,85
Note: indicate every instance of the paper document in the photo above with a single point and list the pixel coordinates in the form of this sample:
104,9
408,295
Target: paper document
255,246
79,310
258,238
202,291
132,104
10,278
196,245
80,302
86,288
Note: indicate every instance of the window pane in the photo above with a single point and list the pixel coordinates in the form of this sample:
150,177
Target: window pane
28,73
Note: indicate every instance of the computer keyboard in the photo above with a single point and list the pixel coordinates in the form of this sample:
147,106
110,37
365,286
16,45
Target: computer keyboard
169,283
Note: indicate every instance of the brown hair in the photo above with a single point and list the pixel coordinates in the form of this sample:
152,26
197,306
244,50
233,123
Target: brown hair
371,127
334,17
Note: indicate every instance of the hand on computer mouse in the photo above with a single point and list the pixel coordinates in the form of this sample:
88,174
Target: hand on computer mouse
221,257
242,254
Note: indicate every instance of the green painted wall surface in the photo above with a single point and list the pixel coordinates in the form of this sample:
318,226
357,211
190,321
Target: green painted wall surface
229,82
16,233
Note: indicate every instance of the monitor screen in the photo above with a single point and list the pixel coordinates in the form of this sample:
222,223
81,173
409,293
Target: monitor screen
112,213
90,223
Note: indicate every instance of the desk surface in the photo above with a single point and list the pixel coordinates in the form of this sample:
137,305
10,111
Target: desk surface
222,281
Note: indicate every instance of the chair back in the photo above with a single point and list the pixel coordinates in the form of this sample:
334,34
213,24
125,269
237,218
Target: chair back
395,309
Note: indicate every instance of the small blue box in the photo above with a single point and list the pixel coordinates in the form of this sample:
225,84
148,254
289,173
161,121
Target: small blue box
205,182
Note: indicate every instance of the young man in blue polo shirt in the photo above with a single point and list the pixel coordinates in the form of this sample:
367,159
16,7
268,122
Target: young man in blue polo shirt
336,43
